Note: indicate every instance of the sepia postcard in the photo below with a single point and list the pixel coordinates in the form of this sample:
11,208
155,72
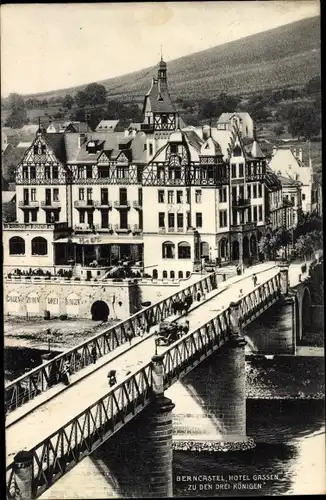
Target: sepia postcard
162,212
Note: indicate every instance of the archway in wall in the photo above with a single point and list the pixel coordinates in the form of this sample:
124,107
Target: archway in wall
204,250
155,274
100,311
224,249
260,255
235,250
306,312
245,246
253,245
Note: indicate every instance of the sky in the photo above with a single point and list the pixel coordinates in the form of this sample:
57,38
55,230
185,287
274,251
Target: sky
53,46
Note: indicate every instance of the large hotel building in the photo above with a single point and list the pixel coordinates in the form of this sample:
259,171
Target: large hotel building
161,193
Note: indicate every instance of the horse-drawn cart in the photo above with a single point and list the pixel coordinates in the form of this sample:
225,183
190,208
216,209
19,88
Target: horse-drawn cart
167,334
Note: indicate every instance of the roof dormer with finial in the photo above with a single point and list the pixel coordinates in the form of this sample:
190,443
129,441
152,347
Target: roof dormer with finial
158,109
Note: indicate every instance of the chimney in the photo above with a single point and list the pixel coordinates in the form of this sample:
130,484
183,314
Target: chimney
81,140
300,154
206,132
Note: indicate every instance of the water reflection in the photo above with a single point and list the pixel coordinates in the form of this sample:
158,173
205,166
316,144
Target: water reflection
290,437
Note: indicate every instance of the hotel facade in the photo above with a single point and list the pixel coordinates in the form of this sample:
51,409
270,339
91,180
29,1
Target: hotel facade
169,196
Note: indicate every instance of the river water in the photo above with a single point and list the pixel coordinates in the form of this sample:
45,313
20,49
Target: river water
290,448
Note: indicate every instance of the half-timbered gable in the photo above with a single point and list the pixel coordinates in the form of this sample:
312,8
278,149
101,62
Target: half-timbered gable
43,162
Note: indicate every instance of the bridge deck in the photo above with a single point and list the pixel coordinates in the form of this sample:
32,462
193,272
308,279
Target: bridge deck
38,422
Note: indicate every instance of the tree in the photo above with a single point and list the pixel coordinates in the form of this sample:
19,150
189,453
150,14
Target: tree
306,245
68,101
95,94
304,121
283,239
81,99
18,116
279,130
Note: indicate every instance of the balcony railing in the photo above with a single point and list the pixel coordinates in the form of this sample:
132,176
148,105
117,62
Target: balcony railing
50,204
119,229
108,229
35,227
241,203
85,228
86,204
147,127
122,204
105,204
136,229
137,205
248,226
28,204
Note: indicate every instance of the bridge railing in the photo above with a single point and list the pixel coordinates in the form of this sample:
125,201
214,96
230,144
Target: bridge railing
45,376
261,298
59,452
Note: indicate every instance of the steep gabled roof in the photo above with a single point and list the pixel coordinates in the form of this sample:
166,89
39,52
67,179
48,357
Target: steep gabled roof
158,98
107,125
57,143
9,161
226,117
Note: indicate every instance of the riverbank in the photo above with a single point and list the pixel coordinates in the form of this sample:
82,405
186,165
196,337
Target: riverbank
285,377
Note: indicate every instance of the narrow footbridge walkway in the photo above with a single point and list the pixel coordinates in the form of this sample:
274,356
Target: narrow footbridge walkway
74,421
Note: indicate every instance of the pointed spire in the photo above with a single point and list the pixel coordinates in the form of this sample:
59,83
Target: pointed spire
161,52
39,130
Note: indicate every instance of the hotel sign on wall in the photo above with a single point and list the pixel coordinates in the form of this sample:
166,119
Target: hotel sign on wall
90,241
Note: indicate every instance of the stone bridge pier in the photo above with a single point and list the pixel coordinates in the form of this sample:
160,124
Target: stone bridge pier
277,330
210,412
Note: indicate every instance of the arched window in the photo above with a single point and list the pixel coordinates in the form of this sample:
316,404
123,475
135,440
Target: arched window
165,274
16,246
223,248
172,275
237,151
180,274
39,246
204,250
168,250
155,274
184,250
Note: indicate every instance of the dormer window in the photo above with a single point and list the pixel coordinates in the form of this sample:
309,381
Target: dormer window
237,151
91,147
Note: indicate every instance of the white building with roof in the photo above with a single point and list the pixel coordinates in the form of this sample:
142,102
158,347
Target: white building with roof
243,121
289,163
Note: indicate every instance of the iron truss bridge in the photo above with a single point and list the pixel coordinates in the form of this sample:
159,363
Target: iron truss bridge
68,445
42,378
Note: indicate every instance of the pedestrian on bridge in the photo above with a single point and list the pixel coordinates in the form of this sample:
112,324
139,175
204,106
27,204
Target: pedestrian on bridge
65,373
255,279
129,335
198,296
93,353
112,378
186,327
240,293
